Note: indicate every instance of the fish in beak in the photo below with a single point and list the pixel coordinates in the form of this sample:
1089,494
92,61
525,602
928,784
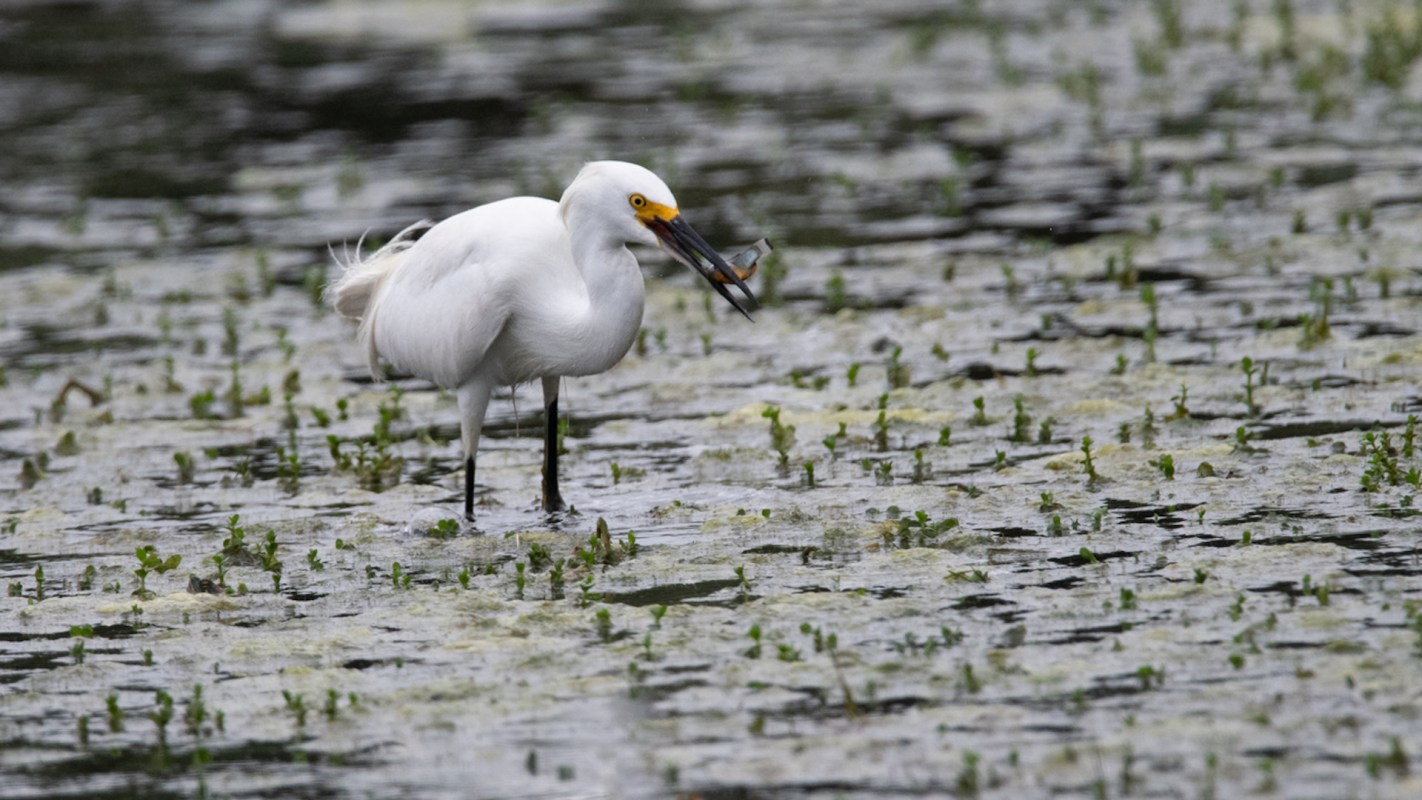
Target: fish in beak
687,246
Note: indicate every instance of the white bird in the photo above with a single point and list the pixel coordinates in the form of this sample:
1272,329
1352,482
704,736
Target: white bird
520,289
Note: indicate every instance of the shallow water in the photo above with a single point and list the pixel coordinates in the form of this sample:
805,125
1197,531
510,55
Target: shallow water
972,203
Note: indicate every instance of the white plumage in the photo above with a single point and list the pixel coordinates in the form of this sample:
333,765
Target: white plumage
520,289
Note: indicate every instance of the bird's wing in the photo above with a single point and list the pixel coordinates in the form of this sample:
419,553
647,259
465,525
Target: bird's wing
439,312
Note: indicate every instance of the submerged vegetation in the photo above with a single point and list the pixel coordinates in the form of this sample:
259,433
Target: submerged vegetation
1074,440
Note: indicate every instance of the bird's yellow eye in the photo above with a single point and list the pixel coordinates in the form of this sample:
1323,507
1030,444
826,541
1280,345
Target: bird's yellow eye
637,201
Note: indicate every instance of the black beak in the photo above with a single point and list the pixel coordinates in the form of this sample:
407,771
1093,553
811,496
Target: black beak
687,246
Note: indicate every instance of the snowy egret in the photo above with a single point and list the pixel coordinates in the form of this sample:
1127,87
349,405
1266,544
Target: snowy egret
520,289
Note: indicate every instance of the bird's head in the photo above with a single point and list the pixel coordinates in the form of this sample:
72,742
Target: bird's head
643,210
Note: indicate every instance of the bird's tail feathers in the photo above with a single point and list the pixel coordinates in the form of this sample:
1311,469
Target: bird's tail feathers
353,292
361,275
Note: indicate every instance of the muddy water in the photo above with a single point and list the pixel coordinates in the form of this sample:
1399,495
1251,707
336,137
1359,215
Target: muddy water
870,554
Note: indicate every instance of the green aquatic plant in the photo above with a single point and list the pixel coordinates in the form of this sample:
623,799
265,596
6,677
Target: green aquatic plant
586,596
538,557
1166,465
1021,421
556,581
881,425
1242,437
1382,466
1091,475
1315,327
922,467
150,562
743,584
1392,43
160,717
1180,410
754,634
782,437
67,445
288,468
186,467
447,528
980,417
836,294
30,473
115,713
1128,599
895,371
296,704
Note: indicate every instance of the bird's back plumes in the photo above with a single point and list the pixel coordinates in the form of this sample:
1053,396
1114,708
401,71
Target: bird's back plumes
353,294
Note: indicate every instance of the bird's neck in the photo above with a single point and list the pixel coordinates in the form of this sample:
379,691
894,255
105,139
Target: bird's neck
608,325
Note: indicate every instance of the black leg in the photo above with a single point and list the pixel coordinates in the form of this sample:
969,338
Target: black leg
469,488
552,499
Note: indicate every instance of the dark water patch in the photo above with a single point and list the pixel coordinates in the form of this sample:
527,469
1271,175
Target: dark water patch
1069,582
1330,381
384,112
149,181
655,691
1273,513
181,514
1133,512
1372,329
671,593
121,630
15,257
1390,512
1013,532
882,301
1079,560
1317,428
809,788
1409,572
1363,541
46,346
977,371
139,761
802,551
361,664
976,601
25,663
1289,645
1091,633
1206,540
1312,176
1189,125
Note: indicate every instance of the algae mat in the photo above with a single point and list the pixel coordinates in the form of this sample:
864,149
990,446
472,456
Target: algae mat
1073,452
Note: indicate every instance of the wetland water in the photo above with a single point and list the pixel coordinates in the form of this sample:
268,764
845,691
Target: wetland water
875,554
